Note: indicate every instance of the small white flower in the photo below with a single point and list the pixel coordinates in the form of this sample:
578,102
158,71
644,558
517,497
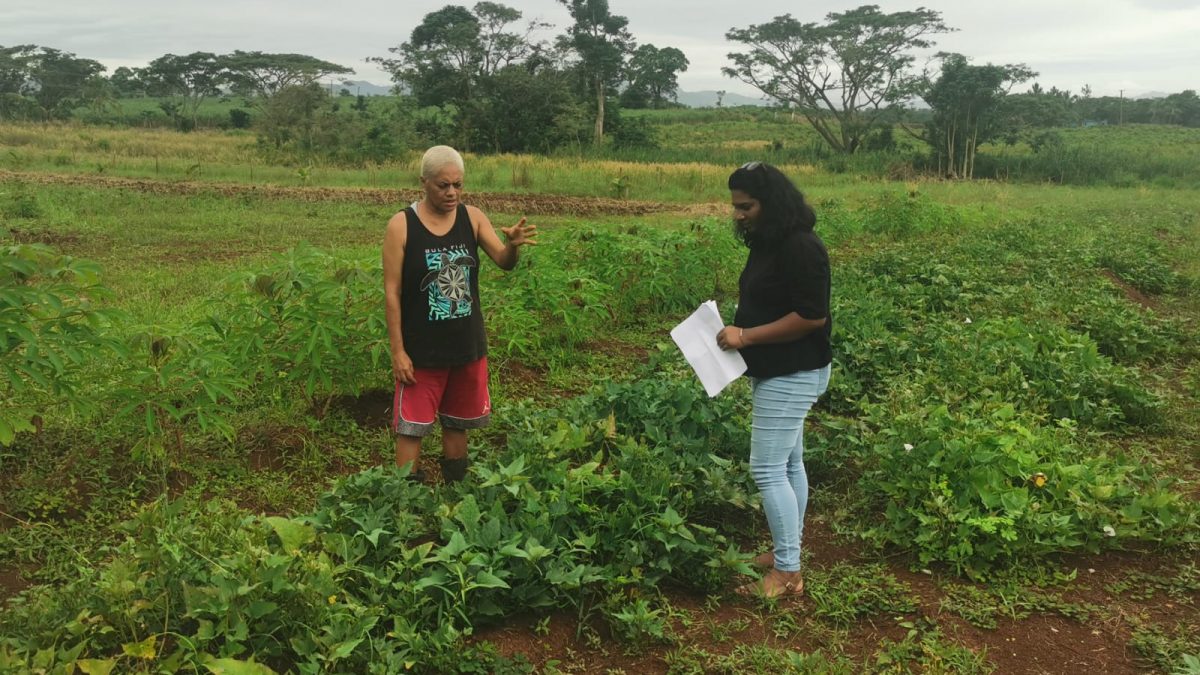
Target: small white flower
908,447
1091,570
1109,531
968,320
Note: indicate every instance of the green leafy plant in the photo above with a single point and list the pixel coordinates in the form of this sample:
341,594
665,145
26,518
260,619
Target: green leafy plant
312,320
174,381
51,329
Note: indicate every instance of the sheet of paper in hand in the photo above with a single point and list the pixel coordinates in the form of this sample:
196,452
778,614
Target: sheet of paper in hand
697,339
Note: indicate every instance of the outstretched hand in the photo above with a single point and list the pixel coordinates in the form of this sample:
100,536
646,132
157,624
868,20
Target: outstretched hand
520,234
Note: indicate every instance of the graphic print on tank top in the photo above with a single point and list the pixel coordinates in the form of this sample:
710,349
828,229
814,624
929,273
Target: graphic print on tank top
448,282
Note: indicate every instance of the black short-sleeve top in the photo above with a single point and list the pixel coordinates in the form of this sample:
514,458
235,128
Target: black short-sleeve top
780,278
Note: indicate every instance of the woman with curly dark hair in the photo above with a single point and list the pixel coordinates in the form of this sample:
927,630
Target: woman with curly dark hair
782,329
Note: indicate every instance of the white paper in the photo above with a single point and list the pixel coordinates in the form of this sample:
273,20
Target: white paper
697,339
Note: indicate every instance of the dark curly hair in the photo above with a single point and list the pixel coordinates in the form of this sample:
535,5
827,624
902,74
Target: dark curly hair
783,207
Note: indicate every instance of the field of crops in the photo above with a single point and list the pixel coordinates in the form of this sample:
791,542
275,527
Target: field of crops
195,466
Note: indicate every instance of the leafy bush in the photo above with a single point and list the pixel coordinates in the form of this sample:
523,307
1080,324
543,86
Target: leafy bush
311,320
980,486
393,574
1139,261
902,214
50,331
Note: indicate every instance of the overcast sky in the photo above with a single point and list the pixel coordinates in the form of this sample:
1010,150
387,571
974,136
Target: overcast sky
1138,46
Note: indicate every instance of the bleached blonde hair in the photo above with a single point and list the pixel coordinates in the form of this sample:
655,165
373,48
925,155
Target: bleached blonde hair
439,157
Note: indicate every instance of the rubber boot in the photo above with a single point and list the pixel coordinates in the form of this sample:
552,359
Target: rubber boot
454,470
416,475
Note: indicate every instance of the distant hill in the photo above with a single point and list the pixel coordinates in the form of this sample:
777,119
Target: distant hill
365,88
708,99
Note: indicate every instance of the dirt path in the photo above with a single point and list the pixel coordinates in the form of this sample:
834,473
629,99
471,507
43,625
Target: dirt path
531,204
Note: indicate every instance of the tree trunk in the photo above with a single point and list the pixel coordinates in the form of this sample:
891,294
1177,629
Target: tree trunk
950,168
974,150
598,138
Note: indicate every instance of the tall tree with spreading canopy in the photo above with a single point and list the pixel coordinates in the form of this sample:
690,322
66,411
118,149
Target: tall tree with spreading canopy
127,82
968,109
602,42
847,76
55,80
191,78
652,75
264,75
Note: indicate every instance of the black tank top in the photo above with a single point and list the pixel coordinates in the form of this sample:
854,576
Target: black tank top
439,294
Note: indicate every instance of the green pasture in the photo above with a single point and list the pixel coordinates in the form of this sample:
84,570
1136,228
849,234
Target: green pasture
206,484
1119,156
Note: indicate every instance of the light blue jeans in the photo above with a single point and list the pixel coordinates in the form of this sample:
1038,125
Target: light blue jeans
777,455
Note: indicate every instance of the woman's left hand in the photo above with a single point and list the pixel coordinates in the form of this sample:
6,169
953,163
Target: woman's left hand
730,337
520,234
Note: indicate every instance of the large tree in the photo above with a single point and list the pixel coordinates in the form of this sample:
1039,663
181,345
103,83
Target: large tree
440,61
454,48
847,76
526,110
191,78
55,80
127,82
602,42
500,47
263,75
652,75
968,109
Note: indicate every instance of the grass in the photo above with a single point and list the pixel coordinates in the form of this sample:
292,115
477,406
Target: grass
689,166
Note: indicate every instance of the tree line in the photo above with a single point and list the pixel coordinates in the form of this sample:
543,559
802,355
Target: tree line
481,79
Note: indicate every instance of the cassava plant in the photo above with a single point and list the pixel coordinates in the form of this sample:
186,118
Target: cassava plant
176,380
311,320
50,330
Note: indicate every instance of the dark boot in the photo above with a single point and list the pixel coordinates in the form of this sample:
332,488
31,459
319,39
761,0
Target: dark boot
454,470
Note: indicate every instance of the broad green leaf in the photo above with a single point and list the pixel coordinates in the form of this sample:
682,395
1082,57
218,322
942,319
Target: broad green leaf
96,666
292,533
236,667
485,579
344,649
141,650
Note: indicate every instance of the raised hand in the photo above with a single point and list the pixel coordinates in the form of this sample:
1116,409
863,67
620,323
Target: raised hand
520,234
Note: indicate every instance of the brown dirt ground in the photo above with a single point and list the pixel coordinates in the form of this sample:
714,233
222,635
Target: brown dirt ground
532,204
1042,643
1131,294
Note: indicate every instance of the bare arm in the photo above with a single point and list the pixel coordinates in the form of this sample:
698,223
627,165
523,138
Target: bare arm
787,328
393,265
504,254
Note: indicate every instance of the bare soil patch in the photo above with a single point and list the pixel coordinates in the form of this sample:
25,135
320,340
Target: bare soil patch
370,409
36,236
11,581
1131,294
532,204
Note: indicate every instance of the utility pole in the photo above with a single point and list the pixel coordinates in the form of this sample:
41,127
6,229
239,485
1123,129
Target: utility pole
1122,118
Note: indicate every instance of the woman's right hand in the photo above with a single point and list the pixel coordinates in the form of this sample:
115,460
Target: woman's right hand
402,368
730,337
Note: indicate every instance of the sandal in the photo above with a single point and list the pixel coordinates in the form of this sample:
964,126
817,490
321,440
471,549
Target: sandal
793,587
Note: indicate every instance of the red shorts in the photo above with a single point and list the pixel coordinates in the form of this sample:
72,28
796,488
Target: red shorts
458,397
